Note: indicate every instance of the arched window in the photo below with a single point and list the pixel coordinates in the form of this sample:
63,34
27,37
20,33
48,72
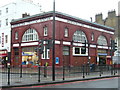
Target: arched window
79,36
92,37
45,31
16,35
66,32
102,40
30,35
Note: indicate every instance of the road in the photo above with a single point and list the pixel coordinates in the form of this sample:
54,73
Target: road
96,83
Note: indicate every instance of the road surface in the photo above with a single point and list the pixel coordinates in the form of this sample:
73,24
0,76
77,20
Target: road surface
96,83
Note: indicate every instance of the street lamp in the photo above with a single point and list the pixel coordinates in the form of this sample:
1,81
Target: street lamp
53,48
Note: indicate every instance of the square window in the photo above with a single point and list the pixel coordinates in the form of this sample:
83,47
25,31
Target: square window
83,50
6,10
7,22
77,50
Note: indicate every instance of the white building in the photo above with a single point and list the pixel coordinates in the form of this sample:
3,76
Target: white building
11,11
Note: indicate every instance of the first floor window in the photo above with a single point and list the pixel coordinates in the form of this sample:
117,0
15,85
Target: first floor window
80,51
83,50
29,35
102,40
77,50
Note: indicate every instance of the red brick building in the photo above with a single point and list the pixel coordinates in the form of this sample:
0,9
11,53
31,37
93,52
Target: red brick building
71,33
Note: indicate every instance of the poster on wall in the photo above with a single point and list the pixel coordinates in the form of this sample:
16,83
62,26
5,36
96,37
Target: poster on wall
57,60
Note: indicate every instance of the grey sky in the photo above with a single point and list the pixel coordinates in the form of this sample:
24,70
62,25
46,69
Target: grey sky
80,8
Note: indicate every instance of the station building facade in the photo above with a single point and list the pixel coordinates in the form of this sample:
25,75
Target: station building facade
71,34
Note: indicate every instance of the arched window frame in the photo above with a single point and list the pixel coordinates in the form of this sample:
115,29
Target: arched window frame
102,40
30,35
79,36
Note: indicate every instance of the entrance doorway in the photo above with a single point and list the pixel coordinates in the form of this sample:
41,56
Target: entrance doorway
102,60
16,56
66,55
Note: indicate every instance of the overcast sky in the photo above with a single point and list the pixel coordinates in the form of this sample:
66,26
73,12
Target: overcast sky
81,8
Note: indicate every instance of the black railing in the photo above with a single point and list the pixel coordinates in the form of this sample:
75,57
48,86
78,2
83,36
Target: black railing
44,73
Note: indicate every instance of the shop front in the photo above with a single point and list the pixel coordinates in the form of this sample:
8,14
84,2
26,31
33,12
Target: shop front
3,58
29,56
108,60
101,58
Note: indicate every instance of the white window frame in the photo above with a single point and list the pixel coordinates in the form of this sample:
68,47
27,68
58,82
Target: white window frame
102,40
66,32
45,31
79,36
80,52
30,35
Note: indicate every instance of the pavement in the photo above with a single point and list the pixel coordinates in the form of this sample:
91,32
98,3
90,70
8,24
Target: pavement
29,76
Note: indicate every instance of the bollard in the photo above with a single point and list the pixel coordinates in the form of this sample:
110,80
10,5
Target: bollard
111,70
39,73
86,70
45,71
100,71
8,73
83,72
63,72
114,69
21,71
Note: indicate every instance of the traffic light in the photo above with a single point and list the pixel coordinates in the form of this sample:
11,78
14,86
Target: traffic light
49,44
113,45
83,49
41,46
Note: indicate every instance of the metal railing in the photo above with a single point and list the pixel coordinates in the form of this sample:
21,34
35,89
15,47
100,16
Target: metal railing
24,75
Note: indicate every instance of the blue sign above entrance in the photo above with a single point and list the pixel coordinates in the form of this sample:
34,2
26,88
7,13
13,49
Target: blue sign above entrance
102,54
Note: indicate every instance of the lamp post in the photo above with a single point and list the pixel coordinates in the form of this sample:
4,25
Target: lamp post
53,48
